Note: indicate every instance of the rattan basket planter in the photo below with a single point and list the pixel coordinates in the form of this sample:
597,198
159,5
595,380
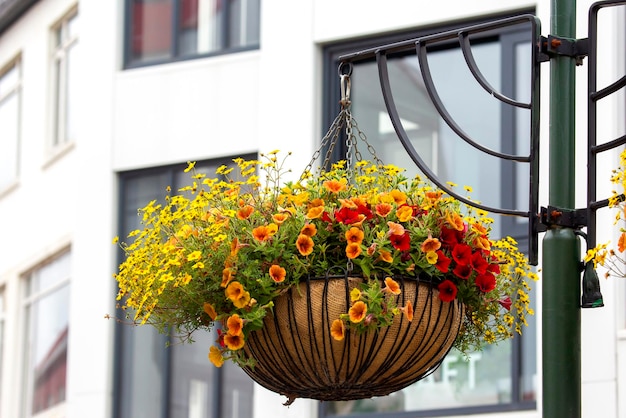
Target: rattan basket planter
297,357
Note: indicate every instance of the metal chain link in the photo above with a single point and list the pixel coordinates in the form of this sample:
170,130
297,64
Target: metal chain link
344,120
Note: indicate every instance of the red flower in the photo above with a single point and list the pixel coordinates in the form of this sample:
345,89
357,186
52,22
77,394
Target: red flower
506,302
447,291
326,217
347,216
450,237
401,242
443,262
364,210
494,268
462,254
462,271
486,282
479,263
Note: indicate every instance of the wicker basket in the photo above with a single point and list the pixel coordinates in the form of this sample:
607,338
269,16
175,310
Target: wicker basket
296,355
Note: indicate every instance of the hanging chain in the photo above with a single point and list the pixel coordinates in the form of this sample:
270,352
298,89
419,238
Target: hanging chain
343,121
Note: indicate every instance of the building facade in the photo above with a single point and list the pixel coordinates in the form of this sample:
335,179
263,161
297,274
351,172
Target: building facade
103,103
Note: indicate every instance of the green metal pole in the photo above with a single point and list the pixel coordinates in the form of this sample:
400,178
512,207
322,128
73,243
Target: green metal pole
561,248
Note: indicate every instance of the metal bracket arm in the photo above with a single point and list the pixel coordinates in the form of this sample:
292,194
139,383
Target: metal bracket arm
569,218
555,45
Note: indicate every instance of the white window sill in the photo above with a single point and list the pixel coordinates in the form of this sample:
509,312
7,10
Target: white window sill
57,153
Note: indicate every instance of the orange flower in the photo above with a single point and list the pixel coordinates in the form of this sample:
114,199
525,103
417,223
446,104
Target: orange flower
398,196
335,186
455,221
385,256
304,244
209,310
227,276
245,212
337,329
391,286
353,250
479,228
348,203
262,233
430,244
315,212
234,342
215,356
277,273
383,209
235,325
395,228
621,242
433,196
357,312
315,203
235,246
404,213
355,235
483,243
279,218
309,230
237,294
408,311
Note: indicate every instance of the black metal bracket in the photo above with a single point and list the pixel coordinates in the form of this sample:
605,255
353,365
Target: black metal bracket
555,45
567,218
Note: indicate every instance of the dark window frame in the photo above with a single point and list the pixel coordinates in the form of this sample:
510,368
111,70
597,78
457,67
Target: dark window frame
225,47
331,107
121,342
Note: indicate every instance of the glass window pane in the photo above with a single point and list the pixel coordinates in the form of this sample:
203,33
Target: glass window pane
151,28
48,325
9,121
244,22
200,26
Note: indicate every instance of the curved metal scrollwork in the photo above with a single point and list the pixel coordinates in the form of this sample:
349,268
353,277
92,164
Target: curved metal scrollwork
462,36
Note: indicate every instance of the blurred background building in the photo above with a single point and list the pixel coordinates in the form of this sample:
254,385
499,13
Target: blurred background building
102,103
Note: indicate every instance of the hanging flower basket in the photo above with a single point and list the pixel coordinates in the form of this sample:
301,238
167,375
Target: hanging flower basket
295,353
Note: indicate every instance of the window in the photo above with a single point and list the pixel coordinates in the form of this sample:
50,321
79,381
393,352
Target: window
46,299
168,30
501,377
10,80
64,83
151,366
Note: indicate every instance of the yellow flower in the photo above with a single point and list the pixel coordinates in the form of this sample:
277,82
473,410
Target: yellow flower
404,213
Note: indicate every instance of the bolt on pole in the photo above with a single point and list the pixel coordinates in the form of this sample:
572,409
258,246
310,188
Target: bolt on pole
561,321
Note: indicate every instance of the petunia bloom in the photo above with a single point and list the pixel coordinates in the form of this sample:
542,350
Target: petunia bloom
485,282
335,186
353,250
337,330
401,242
355,235
277,273
447,291
304,244
215,356
209,310
234,323
245,212
462,253
262,233
407,310
391,286
357,312
234,342
430,244
309,230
